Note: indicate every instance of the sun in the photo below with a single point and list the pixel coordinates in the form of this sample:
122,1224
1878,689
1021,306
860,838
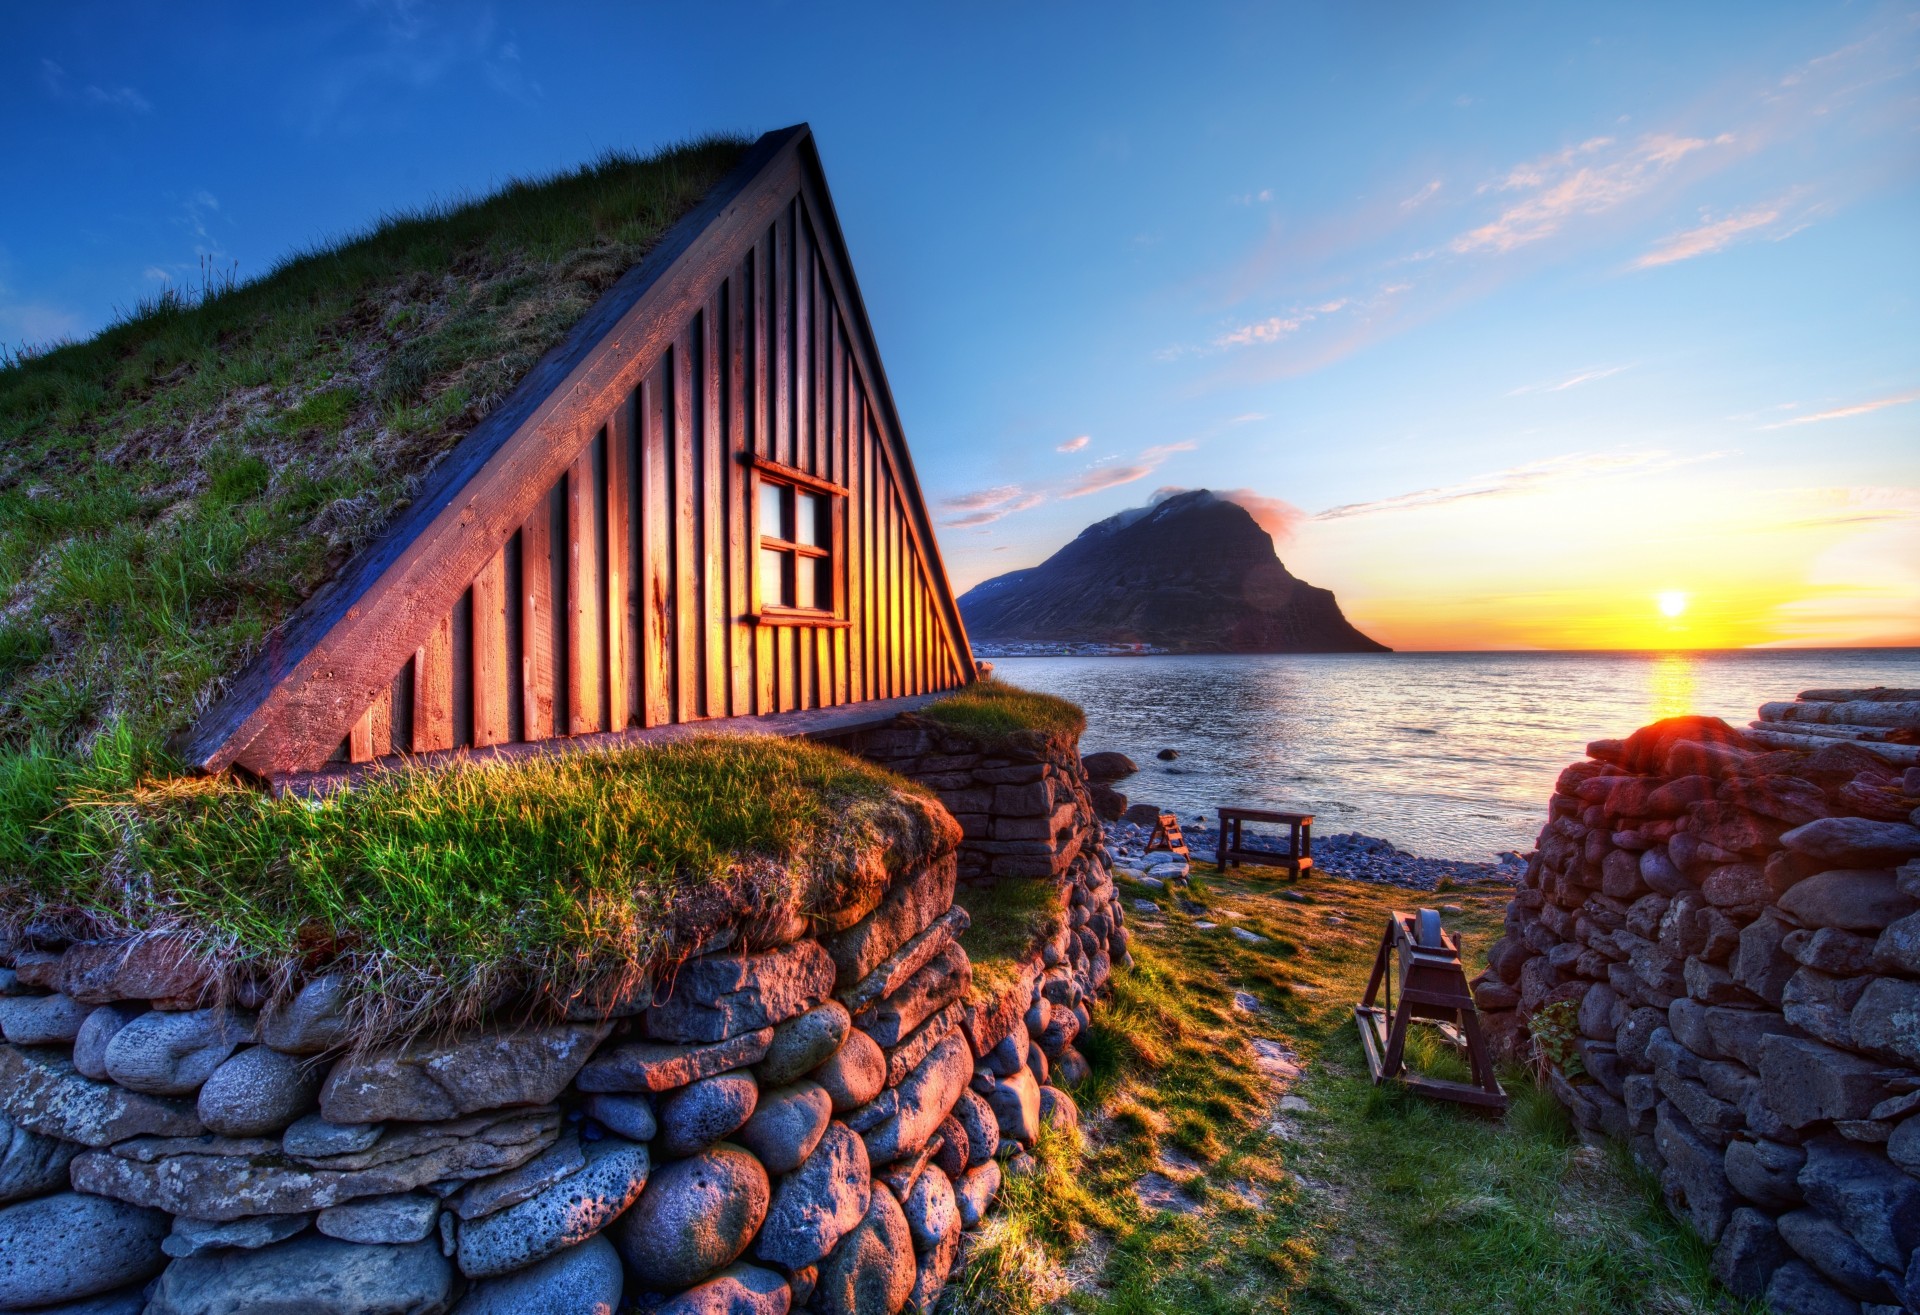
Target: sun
1671,602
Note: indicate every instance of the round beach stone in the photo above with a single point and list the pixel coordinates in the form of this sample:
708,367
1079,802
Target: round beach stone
932,1213
855,1074
382,1220
31,1163
735,1290
564,1215
64,1247
41,1020
800,1045
872,1269
310,1275
101,1026
955,1147
172,1054
815,1206
582,1280
983,1130
1057,1110
974,1192
695,1216
256,1092
629,1115
315,1019
787,1124
127,1301
701,1113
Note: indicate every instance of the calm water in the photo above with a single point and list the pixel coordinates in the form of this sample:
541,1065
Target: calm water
1451,755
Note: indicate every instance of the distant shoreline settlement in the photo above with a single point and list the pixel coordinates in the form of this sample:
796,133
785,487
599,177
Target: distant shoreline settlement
1076,648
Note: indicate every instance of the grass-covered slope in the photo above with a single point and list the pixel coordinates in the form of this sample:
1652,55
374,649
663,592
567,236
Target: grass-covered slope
991,711
450,892
172,488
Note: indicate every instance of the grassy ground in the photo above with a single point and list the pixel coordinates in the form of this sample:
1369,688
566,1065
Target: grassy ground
171,488
991,711
449,892
1365,1199
1009,919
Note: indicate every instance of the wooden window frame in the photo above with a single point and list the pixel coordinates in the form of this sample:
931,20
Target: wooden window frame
766,471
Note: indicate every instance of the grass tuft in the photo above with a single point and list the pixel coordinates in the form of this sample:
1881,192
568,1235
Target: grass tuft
1010,918
994,712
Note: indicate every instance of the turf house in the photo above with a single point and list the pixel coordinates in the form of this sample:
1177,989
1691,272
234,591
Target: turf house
497,810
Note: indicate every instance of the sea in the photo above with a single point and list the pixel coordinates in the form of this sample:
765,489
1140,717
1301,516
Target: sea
1447,755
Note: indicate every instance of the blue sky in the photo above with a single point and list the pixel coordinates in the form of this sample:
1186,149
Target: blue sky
1506,320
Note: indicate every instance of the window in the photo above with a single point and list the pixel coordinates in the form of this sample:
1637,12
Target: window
798,521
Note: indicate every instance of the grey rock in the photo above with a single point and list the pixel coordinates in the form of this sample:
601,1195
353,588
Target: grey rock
564,1215
1766,1172
1858,901
196,1237
718,996
907,909
1824,1244
156,966
1016,1106
1806,1081
736,1290
63,1247
1660,873
1855,842
31,1163
100,1027
314,1020
1750,1250
257,1091
815,1206
1818,1005
216,1179
41,1020
1738,1033
652,1066
786,1125
1760,964
872,1268
701,1113
1057,1110
1887,1019
855,1074
802,1044
486,1196
383,1220
312,1137
1694,1178
309,1275
1797,1289
983,1130
1830,950
127,1301
931,1270
975,1191
1903,1147
1010,1056
422,1081
41,1092
582,1280
926,1097
1898,948
1875,1202
695,1216
955,1151
631,1116
932,1213
943,980
169,1054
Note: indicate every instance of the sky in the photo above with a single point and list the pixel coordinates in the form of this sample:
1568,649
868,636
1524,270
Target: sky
1519,326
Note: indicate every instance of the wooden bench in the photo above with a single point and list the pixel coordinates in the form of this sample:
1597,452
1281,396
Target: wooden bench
1299,856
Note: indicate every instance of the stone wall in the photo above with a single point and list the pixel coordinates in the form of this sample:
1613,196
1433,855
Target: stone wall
1733,933
811,1116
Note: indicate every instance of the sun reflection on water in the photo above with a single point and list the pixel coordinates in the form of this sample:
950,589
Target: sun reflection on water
1671,683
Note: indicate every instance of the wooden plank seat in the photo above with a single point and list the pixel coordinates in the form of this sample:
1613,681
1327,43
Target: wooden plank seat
1231,845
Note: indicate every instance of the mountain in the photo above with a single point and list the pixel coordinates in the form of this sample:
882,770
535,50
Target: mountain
1193,573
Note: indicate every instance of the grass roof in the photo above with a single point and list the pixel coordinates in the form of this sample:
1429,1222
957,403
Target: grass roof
453,892
172,488
993,712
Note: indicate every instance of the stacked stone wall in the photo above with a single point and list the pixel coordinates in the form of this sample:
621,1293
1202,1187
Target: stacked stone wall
1727,936
814,1116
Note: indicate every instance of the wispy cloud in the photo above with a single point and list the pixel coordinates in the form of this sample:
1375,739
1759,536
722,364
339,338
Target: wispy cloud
62,87
1101,478
985,506
1274,515
1277,327
1843,412
1531,477
1708,238
1598,175
1422,196
1075,444
1571,381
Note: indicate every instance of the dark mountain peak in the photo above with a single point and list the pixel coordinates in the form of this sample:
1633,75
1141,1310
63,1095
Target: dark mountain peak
1192,572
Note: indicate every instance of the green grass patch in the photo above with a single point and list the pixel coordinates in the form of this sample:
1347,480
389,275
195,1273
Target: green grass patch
448,891
992,711
173,487
1010,918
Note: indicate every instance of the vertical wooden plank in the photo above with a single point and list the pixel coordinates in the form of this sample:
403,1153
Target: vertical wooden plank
539,660
380,723
490,716
739,440
403,687
869,558
897,593
759,398
687,683
583,596
433,690
360,738
780,307
656,548
856,634
803,342
713,503
619,569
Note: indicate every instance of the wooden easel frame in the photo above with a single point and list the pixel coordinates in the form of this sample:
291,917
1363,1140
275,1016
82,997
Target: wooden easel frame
1432,985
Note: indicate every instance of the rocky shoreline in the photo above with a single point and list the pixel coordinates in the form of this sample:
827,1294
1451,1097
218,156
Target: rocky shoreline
1349,855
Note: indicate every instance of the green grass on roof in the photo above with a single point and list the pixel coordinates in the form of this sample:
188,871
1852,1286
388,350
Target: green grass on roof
993,711
450,891
173,487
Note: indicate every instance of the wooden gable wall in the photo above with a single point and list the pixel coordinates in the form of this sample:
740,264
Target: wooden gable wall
618,591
